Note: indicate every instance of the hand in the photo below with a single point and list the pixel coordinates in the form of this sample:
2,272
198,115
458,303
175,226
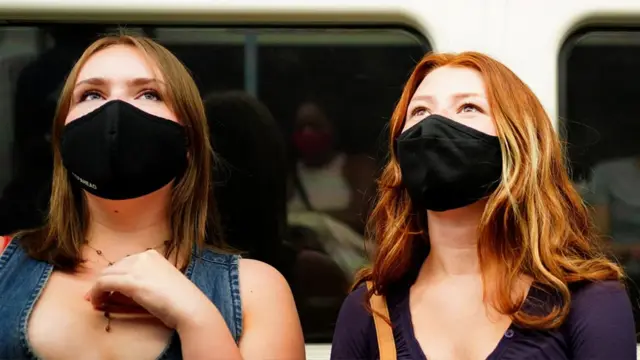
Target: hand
116,303
147,280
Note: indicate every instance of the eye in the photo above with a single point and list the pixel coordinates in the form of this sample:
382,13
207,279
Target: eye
152,95
469,107
419,111
90,95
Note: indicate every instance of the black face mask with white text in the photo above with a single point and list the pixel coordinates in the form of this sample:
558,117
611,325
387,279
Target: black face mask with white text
120,152
446,165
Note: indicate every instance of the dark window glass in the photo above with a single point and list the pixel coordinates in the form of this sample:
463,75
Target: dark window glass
297,119
599,71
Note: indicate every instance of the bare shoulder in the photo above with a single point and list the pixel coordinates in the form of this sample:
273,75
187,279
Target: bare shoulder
271,327
257,276
262,289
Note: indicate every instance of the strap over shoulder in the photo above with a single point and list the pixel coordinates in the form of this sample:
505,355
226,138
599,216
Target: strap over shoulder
384,331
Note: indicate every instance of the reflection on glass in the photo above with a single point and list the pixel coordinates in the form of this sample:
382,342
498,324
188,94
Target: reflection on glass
599,108
614,193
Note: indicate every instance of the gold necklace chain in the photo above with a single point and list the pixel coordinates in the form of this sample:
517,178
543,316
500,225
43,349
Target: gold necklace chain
99,252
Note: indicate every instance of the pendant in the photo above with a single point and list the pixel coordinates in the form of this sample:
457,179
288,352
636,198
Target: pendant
107,328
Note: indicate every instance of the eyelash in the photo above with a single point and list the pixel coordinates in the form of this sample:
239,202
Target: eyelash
86,94
415,111
476,107
144,92
153,92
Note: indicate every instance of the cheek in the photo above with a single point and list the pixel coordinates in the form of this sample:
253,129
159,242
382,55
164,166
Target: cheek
408,124
156,108
82,109
69,119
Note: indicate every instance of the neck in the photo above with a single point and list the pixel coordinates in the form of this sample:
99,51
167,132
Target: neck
123,227
453,240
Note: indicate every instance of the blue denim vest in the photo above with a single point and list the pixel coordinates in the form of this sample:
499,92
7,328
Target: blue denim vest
22,280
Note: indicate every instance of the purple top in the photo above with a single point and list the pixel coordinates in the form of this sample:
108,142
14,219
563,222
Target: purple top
600,326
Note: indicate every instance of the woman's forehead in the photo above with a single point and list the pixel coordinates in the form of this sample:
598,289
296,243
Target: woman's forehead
448,81
118,62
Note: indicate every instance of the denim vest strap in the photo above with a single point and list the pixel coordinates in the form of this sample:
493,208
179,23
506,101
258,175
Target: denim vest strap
217,275
22,280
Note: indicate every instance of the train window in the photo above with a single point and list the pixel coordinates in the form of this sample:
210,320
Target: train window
598,91
297,118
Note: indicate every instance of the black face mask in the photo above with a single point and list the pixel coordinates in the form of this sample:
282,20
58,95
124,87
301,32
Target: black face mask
446,165
120,152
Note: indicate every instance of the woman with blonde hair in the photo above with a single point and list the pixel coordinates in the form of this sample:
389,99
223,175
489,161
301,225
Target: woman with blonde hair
484,248
123,268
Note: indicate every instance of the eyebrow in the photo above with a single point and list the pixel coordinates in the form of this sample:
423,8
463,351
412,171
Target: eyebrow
459,96
98,81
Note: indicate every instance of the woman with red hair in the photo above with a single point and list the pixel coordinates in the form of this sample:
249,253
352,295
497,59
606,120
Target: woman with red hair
484,248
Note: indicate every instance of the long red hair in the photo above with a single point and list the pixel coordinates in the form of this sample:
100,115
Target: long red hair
534,224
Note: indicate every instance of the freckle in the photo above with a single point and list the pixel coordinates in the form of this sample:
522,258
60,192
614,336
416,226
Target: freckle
115,211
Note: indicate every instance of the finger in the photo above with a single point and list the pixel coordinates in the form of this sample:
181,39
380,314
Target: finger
117,298
122,309
114,298
121,266
126,264
108,283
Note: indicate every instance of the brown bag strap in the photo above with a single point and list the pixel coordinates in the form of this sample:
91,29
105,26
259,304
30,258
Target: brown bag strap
384,332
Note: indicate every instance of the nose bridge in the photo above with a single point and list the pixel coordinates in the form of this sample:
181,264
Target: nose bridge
442,105
119,91
444,109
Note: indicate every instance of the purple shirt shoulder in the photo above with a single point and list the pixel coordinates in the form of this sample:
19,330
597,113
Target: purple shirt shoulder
600,326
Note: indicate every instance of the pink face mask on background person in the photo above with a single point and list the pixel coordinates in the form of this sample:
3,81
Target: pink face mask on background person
312,143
